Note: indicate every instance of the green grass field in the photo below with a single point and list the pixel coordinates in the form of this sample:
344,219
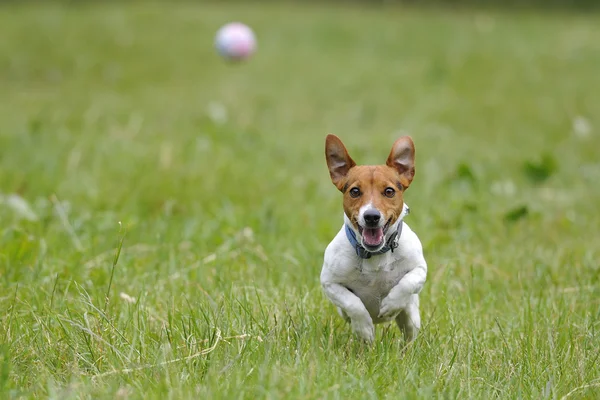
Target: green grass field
119,124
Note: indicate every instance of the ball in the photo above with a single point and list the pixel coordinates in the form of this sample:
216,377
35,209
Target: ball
235,41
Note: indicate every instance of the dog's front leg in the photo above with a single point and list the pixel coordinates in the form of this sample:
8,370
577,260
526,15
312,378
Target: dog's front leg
398,298
360,320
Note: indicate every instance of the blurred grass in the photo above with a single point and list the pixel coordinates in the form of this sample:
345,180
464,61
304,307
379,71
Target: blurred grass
119,121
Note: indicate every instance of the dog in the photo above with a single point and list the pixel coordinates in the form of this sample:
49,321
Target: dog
374,268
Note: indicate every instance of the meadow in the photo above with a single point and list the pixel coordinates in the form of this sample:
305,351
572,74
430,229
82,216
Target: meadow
163,214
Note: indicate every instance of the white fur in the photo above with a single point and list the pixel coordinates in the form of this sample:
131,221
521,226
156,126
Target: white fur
379,289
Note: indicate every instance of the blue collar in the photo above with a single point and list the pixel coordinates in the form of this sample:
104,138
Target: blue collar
390,245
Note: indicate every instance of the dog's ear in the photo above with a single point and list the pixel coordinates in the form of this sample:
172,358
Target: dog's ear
338,160
402,159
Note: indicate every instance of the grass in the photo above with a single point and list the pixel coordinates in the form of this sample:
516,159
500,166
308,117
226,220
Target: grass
164,214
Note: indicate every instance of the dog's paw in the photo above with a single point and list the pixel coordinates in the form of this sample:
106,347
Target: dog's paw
364,329
390,307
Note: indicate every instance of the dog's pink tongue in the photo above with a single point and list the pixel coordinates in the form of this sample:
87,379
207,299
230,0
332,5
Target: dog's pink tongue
372,236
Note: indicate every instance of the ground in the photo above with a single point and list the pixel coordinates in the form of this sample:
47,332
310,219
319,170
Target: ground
120,125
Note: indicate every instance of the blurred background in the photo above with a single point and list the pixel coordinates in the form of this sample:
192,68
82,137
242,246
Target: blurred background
120,119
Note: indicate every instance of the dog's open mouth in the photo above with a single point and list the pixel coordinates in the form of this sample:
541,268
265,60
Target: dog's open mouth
373,237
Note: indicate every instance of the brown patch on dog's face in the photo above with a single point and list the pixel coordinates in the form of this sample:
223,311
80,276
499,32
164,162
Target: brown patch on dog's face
379,187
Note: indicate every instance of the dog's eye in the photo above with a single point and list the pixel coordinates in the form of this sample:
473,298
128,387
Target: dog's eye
354,192
389,192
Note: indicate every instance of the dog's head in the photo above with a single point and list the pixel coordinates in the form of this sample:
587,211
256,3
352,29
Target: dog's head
373,194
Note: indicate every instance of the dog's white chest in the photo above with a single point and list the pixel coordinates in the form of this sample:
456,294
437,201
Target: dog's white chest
372,282
372,279
377,272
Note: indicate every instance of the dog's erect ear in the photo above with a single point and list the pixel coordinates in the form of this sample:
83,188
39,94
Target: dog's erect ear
402,159
338,160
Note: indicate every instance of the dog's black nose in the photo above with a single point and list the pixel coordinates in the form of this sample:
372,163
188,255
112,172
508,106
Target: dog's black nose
372,217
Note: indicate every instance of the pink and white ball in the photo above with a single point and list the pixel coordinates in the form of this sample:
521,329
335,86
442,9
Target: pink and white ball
235,41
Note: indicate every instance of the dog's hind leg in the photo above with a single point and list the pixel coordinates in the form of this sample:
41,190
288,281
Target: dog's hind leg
409,319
